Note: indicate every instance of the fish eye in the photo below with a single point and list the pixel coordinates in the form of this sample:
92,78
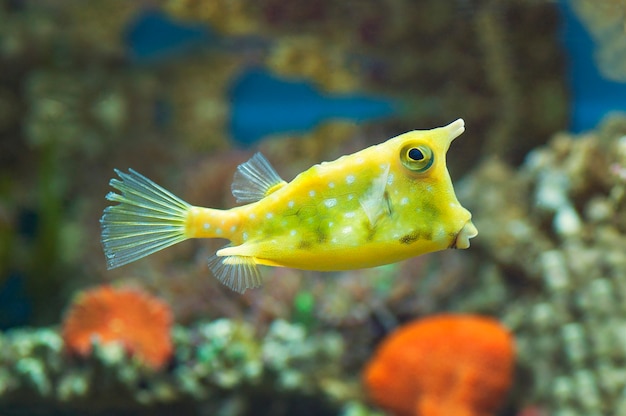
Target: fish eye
417,158
415,154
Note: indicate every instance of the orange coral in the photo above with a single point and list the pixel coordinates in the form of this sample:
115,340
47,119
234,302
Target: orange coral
446,365
136,319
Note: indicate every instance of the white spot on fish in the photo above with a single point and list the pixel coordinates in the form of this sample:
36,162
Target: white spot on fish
244,236
233,228
311,193
346,230
349,214
219,231
453,205
333,240
290,204
252,216
331,185
269,215
350,197
293,232
207,225
390,179
404,201
429,188
331,202
222,222
350,179
360,160
330,224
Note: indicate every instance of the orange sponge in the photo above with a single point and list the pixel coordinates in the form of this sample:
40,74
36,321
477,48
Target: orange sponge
446,365
136,319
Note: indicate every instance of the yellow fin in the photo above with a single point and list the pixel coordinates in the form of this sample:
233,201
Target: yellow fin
373,201
255,179
237,272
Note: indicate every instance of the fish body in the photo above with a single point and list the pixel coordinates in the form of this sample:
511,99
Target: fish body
380,205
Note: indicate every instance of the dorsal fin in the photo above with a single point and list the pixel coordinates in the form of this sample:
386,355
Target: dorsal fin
237,272
374,202
255,179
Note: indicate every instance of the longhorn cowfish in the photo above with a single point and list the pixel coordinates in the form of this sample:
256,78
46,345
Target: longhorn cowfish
383,204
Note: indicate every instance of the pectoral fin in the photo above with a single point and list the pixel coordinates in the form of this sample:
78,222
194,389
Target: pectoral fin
374,202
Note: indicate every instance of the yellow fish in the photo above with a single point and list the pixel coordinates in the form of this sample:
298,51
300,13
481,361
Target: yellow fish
383,204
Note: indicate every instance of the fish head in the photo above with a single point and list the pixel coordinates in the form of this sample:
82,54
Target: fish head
426,198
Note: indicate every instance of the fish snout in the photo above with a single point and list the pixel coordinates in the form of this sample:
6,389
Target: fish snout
462,238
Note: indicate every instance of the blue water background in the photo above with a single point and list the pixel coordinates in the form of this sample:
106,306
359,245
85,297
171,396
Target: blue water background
592,95
264,104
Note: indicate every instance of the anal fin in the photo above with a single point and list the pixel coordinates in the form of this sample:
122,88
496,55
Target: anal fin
255,179
237,272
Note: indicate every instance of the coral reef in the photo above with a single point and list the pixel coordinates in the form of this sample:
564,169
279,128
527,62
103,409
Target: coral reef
138,321
199,106
219,367
443,365
552,236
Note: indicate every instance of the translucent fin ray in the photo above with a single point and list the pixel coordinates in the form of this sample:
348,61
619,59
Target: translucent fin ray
373,201
237,272
255,179
147,219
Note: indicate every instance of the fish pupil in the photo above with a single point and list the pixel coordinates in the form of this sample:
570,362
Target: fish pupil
416,154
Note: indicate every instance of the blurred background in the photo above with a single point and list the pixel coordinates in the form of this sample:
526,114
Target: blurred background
185,90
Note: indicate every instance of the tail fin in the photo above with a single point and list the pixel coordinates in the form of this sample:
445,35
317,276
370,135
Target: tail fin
147,219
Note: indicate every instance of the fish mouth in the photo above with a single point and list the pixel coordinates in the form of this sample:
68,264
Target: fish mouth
462,238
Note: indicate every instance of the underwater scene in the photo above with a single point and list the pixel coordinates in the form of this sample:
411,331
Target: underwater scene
313,207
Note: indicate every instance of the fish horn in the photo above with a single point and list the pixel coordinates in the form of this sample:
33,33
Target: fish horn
454,129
